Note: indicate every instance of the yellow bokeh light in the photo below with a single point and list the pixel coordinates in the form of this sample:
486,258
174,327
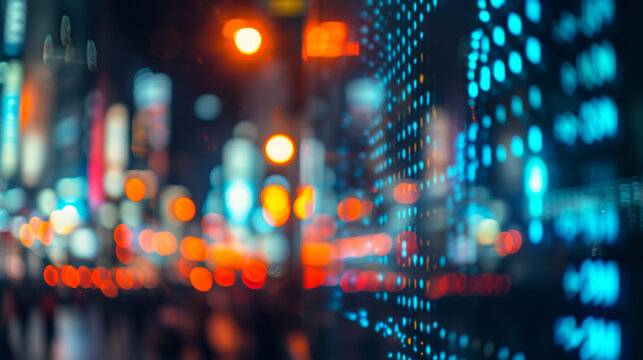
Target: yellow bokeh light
279,149
276,205
248,40
303,206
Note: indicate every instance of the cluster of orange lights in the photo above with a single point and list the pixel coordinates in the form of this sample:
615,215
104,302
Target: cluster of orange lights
351,209
228,263
354,280
36,229
227,259
107,280
467,285
328,40
324,261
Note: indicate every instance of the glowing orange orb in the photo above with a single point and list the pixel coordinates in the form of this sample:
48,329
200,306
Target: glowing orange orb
184,209
135,189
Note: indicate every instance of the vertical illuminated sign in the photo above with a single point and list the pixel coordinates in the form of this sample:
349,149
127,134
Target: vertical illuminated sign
14,27
10,123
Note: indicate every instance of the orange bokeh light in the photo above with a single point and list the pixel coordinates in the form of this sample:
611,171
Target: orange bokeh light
84,277
193,248
328,39
276,205
135,189
406,193
145,240
45,233
98,275
124,278
232,26
313,277
349,209
35,222
109,288
316,254
123,235
224,276
226,257
26,235
164,243
279,149
304,205
254,274
69,275
184,209
50,274
125,254
201,278
508,242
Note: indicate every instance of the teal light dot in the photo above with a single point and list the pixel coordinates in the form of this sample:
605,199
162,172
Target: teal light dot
515,62
533,50
516,105
535,231
497,3
535,139
498,36
486,121
484,16
499,71
501,153
473,89
501,114
485,78
514,24
532,10
517,146
535,97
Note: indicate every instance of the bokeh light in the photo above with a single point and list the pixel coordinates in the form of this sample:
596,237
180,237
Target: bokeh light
247,40
201,278
135,189
279,149
184,209
276,205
